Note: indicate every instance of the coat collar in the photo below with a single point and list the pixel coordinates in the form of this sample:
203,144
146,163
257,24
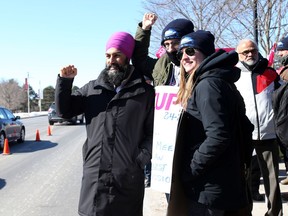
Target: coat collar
132,79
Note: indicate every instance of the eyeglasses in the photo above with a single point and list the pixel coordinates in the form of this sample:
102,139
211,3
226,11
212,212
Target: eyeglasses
189,51
246,52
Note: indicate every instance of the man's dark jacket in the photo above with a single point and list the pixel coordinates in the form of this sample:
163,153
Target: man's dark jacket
280,106
118,145
212,170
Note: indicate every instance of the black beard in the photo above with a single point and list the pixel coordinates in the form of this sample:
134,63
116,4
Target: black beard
284,60
115,76
173,58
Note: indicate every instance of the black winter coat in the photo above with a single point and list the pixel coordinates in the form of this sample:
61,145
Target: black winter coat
211,167
280,107
118,145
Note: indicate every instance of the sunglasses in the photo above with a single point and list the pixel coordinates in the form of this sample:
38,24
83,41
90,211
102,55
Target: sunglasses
188,51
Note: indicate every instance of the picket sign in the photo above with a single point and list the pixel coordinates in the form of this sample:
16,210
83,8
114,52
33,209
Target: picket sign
165,125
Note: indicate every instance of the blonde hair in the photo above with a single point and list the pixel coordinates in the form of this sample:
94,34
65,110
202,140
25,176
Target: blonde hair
186,87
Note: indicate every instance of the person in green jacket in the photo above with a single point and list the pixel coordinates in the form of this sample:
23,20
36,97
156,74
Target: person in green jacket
166,69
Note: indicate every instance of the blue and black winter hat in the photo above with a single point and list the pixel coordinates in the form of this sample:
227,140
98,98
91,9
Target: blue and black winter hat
176,29
201,40
282,44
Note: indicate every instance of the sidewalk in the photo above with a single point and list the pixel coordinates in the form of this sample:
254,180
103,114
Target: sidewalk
259,208
31,114
155,203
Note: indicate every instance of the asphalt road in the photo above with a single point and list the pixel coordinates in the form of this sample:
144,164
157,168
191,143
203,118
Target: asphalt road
43,178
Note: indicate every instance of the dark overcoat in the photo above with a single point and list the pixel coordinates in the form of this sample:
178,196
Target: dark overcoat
119,125
211,168
280,107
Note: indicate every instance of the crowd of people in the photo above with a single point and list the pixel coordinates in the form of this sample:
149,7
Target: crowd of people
233,123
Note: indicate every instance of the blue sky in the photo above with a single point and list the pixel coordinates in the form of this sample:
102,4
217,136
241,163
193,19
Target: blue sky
39,37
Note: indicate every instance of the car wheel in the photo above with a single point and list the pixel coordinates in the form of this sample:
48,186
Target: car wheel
51,123
22,136
2,139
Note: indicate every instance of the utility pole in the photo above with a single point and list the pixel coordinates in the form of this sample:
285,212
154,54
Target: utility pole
28,90
255,19
40,95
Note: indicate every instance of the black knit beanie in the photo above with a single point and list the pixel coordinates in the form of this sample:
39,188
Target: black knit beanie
282,44
176,29
201,40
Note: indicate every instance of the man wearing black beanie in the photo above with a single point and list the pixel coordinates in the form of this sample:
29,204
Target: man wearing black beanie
280,104
166,69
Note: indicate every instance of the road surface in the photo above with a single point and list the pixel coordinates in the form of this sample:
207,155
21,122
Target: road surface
43,178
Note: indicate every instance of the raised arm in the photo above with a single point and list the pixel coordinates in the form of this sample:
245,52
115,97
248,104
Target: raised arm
141,58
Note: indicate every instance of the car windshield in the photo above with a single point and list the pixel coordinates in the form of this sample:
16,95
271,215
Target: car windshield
53,106
9,114
2,114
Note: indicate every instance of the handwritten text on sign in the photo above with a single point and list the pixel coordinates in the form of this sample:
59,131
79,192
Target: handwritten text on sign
165,126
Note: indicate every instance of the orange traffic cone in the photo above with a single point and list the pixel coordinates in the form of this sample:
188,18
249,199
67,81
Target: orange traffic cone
49,131
37,136
6,150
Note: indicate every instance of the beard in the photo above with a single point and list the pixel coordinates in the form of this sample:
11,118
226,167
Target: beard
115,74
284,60
252,61
173,58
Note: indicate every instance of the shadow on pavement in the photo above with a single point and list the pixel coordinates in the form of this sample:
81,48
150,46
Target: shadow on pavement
284,196
31,146
282,172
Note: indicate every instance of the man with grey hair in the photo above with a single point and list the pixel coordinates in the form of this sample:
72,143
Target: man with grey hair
256,85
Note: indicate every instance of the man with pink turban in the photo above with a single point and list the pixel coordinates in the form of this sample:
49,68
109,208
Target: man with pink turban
119,112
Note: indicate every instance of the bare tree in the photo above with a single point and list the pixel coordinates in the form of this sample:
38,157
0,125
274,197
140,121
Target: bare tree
266,18
272,21
229,20
11,94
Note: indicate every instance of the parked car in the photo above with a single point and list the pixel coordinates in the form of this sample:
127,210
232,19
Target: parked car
54,118
10,127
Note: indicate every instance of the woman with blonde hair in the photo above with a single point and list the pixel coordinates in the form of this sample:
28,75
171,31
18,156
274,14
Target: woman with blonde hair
213,154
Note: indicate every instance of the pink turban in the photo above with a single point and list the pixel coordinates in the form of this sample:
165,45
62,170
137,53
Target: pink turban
122,41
